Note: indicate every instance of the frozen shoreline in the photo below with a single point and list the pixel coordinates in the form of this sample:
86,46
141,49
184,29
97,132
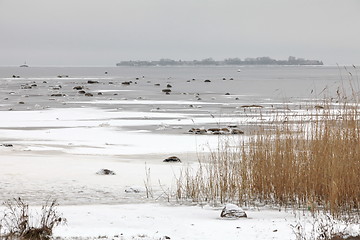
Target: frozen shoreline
155,221
59,143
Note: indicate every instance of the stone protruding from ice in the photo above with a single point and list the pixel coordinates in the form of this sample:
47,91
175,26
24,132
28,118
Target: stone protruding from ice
172,159
232,211
105,172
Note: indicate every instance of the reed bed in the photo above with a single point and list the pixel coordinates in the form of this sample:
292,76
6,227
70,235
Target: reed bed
312,162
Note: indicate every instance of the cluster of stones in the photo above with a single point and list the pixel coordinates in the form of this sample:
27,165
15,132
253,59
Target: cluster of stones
28,85
216,131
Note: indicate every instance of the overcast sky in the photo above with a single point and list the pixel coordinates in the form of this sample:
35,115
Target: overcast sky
103,32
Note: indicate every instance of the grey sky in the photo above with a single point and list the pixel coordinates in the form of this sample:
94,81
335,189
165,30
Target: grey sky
103,32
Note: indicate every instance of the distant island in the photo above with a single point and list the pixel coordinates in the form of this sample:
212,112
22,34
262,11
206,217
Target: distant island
229,61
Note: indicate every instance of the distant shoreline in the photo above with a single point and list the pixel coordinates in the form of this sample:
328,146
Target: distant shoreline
292,61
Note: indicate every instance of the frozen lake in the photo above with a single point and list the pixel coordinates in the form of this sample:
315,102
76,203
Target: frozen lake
66,123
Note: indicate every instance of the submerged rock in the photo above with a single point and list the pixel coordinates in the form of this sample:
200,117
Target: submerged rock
232,211
172,159
105,172
92,81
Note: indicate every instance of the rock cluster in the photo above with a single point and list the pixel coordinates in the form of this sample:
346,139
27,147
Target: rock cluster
216,131
6,145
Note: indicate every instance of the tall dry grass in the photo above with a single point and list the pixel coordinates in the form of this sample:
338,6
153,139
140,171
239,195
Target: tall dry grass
312,161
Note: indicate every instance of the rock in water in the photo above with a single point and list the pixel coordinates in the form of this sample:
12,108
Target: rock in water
92,81
232,211
105,172
172,159
166,90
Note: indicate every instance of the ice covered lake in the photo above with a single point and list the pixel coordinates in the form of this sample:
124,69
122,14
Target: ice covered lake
54,137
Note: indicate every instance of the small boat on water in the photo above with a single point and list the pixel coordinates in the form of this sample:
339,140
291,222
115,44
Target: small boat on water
24,65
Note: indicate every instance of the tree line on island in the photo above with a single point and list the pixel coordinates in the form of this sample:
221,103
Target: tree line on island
229,61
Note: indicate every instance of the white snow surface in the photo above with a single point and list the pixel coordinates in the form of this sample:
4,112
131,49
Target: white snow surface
155,221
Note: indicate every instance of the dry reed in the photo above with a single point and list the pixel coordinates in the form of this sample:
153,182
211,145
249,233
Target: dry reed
312,161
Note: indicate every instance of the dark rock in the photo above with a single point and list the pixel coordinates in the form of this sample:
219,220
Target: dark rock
214,130
111,83
232,211
99,93
168,86
198,130
226,130
7,145
231,79
78,87
157,84
236,131
166,90
92,81
21,103
207,80
105,172
224,78
172,159
89,94
227,93
126,83
57,95
82,92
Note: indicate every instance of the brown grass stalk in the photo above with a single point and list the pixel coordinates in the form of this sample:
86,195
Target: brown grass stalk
311,162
